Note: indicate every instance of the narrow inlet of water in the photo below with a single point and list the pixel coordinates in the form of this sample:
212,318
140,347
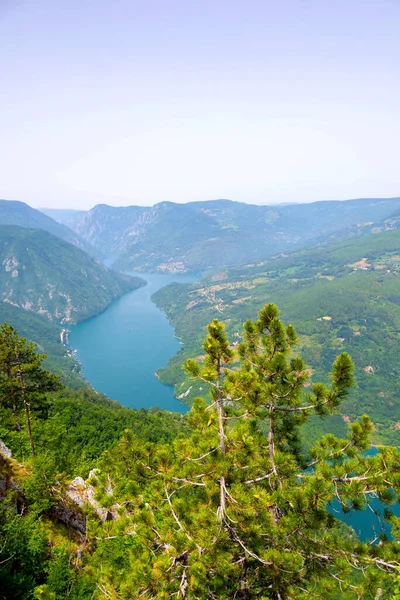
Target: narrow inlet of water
121,349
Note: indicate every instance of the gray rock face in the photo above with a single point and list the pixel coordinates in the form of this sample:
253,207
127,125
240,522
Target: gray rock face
71,516
80,493
6,452
7,483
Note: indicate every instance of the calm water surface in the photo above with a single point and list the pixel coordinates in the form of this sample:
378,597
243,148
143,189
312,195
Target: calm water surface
121,349
368,523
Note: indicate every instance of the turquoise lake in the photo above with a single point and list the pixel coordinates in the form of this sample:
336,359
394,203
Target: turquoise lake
367,523
122,348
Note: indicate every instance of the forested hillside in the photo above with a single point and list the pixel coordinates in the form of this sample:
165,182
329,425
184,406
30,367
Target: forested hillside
201,235
48,276
103,502
49,338
342,297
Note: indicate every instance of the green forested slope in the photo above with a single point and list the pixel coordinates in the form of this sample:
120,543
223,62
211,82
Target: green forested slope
41,527
344,297
81,424
48,276
47,336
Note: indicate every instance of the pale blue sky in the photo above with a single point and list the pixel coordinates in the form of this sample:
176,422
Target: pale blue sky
129,102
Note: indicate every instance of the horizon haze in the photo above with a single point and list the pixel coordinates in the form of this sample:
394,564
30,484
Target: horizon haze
134,103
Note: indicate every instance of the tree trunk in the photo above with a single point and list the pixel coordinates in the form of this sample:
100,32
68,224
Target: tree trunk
271,449
26,404
222,488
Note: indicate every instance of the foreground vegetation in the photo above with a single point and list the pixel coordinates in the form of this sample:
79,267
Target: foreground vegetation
222,504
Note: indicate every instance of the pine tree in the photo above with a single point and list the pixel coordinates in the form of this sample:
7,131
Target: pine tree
23,381
236,510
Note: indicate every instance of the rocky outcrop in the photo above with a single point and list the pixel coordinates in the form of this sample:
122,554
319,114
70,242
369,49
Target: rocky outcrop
7,481
4,451
82,493
71,505
70,514
79,495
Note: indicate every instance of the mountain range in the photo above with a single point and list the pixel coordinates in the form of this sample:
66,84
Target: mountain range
193,237
311,245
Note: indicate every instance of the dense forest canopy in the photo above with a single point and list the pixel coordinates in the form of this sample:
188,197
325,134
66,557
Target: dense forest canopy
224,503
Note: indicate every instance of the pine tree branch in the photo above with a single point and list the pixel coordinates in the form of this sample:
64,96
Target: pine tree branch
242,545
203,456
7,559
349,479
393,566
257,479
184,583
318,460
187,481
289,409
172,508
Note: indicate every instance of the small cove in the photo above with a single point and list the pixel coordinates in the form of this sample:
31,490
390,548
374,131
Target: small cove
122,348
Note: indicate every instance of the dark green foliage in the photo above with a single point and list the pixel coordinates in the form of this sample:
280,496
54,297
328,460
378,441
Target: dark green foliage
24,552
23,382
21,365
39,558
81,424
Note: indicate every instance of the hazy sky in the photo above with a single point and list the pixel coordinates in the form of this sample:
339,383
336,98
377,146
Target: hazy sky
136,102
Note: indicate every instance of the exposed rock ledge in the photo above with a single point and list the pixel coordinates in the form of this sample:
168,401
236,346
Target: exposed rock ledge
6,452
70,507
81,492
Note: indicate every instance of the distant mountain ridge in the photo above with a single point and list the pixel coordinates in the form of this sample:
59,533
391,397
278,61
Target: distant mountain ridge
67,216
169,237
14,212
